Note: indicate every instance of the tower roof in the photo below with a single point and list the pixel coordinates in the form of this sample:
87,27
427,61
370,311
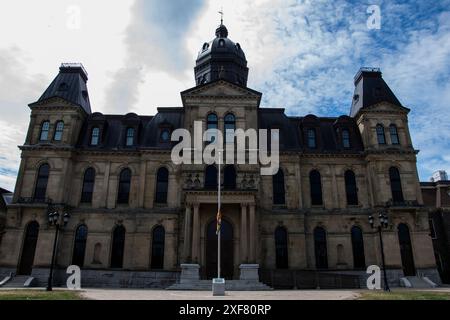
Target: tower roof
70,85
221,58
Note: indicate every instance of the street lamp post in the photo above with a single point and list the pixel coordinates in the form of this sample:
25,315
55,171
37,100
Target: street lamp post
54,220
383,224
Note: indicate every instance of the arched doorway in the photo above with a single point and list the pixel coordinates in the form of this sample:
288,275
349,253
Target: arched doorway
29,248
226,244
406,252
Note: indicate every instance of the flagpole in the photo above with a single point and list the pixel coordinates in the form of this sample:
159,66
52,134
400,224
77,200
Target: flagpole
220,227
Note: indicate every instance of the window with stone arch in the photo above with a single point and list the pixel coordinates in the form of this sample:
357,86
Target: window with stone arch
359,260
320,248
59,128
230,127
315,184
281,248
40,189
394,134
212,124
158,240
123,194
396,185
211,177
118,247
45,128
351,190
162,185
88,185
79,247
278,188
380,134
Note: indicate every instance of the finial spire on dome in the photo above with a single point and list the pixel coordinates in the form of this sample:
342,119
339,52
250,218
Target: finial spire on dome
221,31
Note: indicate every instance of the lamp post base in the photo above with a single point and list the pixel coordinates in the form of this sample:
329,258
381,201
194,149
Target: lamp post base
218,287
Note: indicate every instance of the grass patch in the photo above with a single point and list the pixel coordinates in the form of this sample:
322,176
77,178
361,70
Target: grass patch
404,295
39,295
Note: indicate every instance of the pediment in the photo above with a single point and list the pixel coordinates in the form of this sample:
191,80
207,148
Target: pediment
221,88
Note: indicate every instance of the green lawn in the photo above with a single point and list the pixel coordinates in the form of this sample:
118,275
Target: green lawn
404,295
39,295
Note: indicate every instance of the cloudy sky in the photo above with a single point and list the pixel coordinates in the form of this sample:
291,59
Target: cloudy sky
302,56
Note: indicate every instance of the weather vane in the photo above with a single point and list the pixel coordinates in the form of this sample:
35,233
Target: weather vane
221,15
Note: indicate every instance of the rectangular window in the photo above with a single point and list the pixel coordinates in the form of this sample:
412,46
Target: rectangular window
311,138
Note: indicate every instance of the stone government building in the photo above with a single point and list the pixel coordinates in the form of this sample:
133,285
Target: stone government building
135,216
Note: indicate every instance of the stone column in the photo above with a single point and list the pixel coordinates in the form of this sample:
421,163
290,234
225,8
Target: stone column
244,233
196,235
252,235
187,234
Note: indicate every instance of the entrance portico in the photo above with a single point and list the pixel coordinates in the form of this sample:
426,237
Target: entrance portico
238,210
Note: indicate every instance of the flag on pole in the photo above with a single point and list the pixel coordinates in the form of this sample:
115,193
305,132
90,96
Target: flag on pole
219,221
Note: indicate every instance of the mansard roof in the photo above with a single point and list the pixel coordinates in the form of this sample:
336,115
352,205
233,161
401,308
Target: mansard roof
113,129
70,85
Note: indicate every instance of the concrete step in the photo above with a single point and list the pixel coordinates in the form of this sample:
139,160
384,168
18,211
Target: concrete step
230,285
418,282
16,282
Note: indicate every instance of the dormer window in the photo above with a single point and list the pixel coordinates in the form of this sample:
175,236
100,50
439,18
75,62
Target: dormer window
95,136
58,131
346,139
130,137
205,46
63,87
164,137
45,127
221,43
311,135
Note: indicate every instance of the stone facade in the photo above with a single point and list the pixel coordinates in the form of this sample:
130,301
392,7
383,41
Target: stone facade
250,212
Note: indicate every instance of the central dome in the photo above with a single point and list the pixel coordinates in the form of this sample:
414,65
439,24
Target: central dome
221,58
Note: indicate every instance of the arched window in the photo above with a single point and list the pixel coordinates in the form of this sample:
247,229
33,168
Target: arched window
211,124
315,184
45,127
311,135
394,134
29,248
320,248
346,139
396,185
359,260
230,126
58,131
162,184
380,134
118,246
79,248
88,185
124,186
351,190
211,177
229,177
130,137
158,248
221,43
406,250
278,187
95,136
281,248
41,182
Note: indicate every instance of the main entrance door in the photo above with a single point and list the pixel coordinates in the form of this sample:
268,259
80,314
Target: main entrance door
226,257
29,248
406,250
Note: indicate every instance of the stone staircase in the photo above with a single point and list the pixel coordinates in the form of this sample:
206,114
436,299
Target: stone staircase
417,282
18,282
230,285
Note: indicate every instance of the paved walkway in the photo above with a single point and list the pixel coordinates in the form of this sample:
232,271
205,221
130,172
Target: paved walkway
135,294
